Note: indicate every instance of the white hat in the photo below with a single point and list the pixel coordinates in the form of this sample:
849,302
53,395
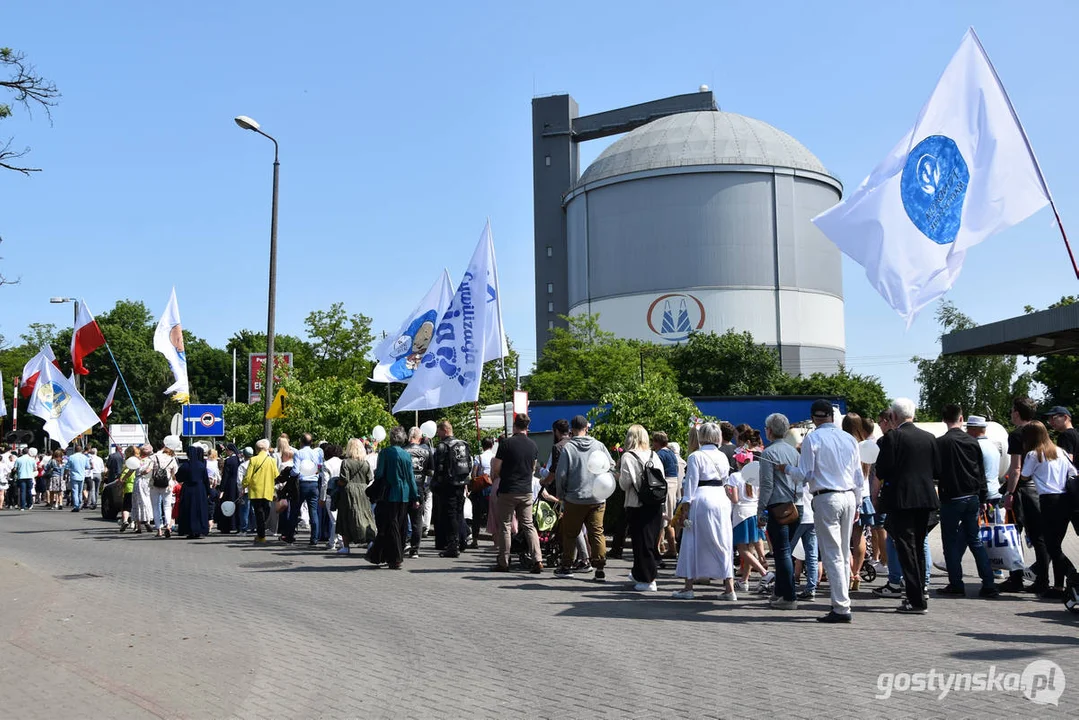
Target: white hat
172,442
32,452
976,421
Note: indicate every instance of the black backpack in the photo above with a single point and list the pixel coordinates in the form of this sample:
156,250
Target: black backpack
653,489
160,476
454,464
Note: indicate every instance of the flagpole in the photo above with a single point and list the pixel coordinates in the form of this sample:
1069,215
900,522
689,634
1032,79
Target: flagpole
1030,149
126,389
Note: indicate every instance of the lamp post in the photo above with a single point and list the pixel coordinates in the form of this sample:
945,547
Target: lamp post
267,391
59,301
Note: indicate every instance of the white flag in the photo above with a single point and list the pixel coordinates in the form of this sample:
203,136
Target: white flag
399,354
169,341
56,401
965,171
468,334
3,407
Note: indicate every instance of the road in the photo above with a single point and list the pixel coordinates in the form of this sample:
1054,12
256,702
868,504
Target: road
98,624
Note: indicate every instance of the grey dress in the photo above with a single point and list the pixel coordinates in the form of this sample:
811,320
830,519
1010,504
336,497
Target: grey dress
355,521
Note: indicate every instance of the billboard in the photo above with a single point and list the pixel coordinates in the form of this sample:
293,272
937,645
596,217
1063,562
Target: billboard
255,364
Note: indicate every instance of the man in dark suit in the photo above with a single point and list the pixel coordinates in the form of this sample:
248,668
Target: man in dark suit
906,466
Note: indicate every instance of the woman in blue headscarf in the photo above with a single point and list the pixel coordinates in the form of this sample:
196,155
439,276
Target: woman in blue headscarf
194,519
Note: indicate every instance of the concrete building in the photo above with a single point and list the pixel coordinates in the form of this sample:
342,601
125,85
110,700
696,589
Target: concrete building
696,219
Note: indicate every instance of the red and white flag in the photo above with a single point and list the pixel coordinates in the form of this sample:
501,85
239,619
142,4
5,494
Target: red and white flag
107,410
32,370
86,338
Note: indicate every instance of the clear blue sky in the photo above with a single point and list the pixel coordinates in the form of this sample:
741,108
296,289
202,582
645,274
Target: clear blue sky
402,129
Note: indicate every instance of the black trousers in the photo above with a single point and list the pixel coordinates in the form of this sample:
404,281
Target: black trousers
481,505
645,523
908,529
415,516
451,518
1028,518
1057,514
262,516
388,546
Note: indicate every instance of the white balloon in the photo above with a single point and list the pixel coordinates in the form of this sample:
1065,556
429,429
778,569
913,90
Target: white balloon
751,473
598,463
603,487
228,508
378,433
132,463
429,428
868,450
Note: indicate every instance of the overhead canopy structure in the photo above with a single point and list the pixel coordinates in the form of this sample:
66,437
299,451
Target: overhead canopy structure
1048,332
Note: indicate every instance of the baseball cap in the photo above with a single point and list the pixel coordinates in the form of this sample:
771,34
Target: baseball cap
1057,410
976,421
821,408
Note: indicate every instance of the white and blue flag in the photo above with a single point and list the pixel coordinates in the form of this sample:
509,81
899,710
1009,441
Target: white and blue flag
400,354
56,401
965,171
3,407
468,334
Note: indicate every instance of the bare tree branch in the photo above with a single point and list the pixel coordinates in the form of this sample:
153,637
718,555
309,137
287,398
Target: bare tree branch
7,154
30,90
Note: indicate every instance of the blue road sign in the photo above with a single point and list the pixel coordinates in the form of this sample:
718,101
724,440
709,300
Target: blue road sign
204,420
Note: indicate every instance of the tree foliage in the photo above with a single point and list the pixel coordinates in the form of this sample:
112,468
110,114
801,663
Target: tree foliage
583,362
727,364
29,90
981,385
656,404
246,342
340,342
864,393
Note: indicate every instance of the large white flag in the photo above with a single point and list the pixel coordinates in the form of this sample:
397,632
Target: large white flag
399,354
169,341
56,401
3,407
468,334
965,171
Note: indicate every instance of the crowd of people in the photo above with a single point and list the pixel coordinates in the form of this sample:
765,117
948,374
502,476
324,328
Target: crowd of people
811,512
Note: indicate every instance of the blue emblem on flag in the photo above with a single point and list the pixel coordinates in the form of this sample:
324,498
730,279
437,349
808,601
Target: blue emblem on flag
934,186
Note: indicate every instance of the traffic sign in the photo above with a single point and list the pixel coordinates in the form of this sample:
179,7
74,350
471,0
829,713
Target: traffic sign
176,426
204,420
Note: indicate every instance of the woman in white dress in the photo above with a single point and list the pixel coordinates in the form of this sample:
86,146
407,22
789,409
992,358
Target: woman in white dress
708,492
142,513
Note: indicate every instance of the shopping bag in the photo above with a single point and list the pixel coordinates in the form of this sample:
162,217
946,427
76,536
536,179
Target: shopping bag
1003,546
468,509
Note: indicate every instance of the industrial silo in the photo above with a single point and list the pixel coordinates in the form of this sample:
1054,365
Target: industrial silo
701,221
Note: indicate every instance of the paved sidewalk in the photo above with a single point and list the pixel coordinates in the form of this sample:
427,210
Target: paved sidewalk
98,624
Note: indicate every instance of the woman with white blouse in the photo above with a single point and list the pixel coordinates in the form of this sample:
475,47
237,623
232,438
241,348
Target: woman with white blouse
1049,467
645,520
708,492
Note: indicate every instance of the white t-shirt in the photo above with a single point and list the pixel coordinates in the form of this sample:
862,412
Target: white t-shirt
1049,475
745,508
483,462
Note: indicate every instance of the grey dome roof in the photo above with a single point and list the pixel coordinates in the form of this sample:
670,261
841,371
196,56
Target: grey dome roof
701,138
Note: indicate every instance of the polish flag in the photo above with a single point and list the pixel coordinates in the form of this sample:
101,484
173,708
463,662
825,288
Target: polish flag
32,370
86,338
107,410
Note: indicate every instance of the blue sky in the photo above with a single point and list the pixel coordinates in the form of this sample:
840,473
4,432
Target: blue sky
402,129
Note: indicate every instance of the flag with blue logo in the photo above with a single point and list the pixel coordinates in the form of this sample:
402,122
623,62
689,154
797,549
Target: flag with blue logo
965,171
56,401
399,354
468,334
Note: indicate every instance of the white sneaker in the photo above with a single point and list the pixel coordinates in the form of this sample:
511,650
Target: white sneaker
728,596
632,579
769,577
646,587
741,586
683,595
880,567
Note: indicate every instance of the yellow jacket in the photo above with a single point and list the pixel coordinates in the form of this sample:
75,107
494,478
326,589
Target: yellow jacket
260,477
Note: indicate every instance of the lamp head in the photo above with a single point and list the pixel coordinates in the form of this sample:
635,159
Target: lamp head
58,300
246,123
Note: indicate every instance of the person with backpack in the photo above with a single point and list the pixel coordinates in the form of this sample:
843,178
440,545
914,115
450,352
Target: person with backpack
705,515
452,472
162,481
640,476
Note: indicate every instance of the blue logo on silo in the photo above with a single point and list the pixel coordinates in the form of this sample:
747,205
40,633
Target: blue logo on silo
675,315
933,187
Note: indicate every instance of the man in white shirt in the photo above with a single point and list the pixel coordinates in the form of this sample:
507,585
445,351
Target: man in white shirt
830,464
93,480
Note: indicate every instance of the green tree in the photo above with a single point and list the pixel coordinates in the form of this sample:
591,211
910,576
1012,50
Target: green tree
583,361
340,342
864,393
29,90
656,404
246,342
983,385
1059,374
727,364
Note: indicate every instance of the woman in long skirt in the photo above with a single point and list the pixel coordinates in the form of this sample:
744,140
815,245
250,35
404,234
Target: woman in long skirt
142,511
706,537
194,520
355,522
393,492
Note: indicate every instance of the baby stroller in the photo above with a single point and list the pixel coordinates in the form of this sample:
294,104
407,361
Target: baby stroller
546,520
868,573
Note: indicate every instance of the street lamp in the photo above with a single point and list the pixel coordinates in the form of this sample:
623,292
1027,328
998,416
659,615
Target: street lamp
247,123
74,325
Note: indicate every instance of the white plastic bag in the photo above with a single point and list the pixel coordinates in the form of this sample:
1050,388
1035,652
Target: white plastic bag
468,509
1003,546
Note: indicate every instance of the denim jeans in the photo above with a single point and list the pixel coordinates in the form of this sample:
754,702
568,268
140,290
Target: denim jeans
807,534
161,502
26,493
308,495
895,573
781,553
958,531
243,508
76,493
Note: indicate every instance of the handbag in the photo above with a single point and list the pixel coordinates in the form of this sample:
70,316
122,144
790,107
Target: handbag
785,513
